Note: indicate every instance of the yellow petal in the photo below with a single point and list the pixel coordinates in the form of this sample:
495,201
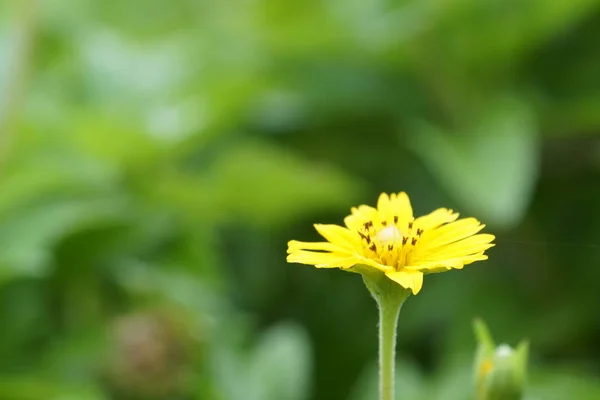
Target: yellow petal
449,233
384,206
434,219
402,209
471,245
339,235
294,245
367,211
321,260
353,221
372,263
360,215
431,267
412,280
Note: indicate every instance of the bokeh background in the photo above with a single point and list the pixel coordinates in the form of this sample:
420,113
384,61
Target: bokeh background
157,155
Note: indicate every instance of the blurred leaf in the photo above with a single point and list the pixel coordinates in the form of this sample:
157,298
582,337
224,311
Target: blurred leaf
491,166
454,381
409,383
278,368
493,31
27,251
564,383
270,186
281,364
134,149
40,176
284,31
172,286
26,388
255,183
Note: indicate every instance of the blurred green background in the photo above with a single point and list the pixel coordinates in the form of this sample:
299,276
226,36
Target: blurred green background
157,155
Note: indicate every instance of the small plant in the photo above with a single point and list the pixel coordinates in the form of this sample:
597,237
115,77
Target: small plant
500,371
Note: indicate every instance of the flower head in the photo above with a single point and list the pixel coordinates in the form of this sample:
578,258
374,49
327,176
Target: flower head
389,239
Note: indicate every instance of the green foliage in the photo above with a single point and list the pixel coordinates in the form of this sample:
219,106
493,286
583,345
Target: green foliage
490,166
156,156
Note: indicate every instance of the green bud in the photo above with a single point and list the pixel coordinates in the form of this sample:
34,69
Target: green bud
500,371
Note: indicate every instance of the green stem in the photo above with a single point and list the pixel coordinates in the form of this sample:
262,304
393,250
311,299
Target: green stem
388,322
389,296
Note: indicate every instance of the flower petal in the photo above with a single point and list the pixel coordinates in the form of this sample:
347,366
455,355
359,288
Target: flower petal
294,245
339,235
360,215
321,260
372,263
353,221
471,245
384,206
431,267
412,280
446,234
402,209
434,219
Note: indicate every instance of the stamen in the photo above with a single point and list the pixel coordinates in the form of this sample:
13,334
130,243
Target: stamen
373,248
413,241
384,223
404,240
410,225
390,247
368,224
419,232
395,219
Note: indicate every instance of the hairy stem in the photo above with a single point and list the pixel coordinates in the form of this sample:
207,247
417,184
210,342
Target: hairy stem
389,309
389,297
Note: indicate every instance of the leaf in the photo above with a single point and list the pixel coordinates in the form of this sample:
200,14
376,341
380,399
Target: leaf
34,388
26,240
563,383
409,383
35,177
281,364
496,34
490,166
270,186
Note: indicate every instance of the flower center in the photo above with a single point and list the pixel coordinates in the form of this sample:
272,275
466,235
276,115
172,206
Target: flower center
386,243
389,234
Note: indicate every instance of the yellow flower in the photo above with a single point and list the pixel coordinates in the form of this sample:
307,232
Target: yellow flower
389,239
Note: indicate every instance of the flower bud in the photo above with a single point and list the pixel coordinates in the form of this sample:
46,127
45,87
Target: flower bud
500,371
